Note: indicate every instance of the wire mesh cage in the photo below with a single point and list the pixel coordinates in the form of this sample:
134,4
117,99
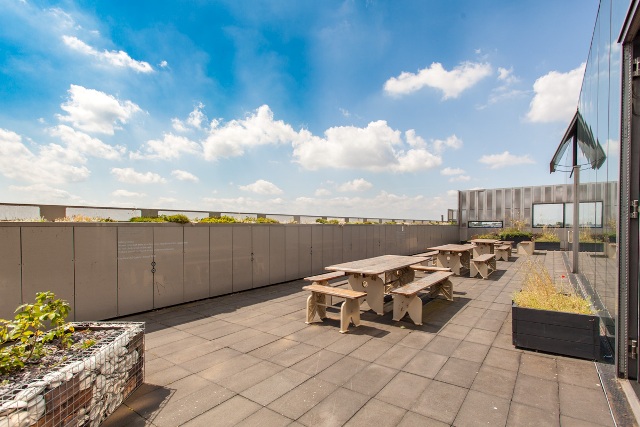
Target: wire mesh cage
86,387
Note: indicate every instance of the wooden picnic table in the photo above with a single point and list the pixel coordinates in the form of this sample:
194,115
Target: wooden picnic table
455,257
483,246
379,275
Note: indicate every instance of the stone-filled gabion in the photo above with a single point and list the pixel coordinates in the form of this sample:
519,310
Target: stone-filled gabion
85,389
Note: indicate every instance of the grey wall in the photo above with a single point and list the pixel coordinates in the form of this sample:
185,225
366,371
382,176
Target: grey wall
107,270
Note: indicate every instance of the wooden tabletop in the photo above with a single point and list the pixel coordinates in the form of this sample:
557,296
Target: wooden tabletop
377,265
485,241
451,248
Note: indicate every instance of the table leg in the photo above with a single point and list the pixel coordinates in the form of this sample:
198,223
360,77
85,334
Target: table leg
373,286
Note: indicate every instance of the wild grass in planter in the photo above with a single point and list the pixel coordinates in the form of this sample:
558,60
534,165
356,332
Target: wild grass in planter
540,292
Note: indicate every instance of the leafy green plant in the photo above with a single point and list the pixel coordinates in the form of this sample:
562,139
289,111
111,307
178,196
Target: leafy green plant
540,292
327,221
514,234
178,218
22,339
221,219
267,221
548,235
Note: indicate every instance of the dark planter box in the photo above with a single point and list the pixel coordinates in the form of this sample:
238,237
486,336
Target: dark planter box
568,334
547,246
518,239
589,247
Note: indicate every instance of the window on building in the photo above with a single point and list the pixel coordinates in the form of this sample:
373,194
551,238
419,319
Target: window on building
548,214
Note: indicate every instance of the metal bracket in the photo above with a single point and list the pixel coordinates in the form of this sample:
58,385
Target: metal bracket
634,209
633,349
635,67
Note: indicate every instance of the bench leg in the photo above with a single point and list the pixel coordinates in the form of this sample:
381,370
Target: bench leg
313,307
374,289
483,269
444,288
407,304
473,269
349,312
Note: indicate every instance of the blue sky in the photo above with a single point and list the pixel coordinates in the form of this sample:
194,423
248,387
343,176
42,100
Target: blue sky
340,108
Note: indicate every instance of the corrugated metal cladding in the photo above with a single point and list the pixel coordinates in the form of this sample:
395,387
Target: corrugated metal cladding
487,204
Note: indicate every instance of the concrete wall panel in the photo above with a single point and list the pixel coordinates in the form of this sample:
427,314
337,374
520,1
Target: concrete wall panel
292,252
96,272
10,271
221,260
337,245
277,254
317,266
47,263
135,279
347,253
168,253
305,250
261,258
242,264
196,263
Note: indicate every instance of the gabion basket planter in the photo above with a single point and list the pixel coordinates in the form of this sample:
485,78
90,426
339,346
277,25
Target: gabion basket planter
568,334
86,388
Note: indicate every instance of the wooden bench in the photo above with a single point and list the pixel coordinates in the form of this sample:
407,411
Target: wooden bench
431,258
349,311
526,247
323,279
428,268
483,264
406,299
503,252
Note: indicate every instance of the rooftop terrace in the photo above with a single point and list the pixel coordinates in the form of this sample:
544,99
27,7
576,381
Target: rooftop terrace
249,359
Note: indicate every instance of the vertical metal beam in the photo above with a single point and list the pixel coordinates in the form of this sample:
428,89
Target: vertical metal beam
576,218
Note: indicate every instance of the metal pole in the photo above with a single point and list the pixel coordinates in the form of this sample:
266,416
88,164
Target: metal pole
576,218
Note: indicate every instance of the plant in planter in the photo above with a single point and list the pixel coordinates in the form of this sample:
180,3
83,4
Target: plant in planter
54,373
548,240
552,317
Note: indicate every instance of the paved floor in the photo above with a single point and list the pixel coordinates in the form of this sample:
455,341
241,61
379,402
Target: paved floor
249,359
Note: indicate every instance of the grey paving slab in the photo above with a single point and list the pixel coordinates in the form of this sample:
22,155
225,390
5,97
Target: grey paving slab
527,416
250,376
440,401
539,366
275,386
378,413
536,392
458,372
370,380
342,370
371,349
471,351
317,362
584,404
302,398
495,381
228,413
443,345
411,419
482,409
335,410
397,356
504,359
403,390
265,417
426,364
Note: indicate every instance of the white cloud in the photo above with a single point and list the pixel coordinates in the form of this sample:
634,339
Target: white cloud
460,178
85,144
44,193
168,148
53,163
506,75
163,64
184,176
344,112
114,58
359,184
259,128
452,142
195,120
556,96
376,148
322,192
262,187
94,111
129,175
127,193
495,161
451,171
451,83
